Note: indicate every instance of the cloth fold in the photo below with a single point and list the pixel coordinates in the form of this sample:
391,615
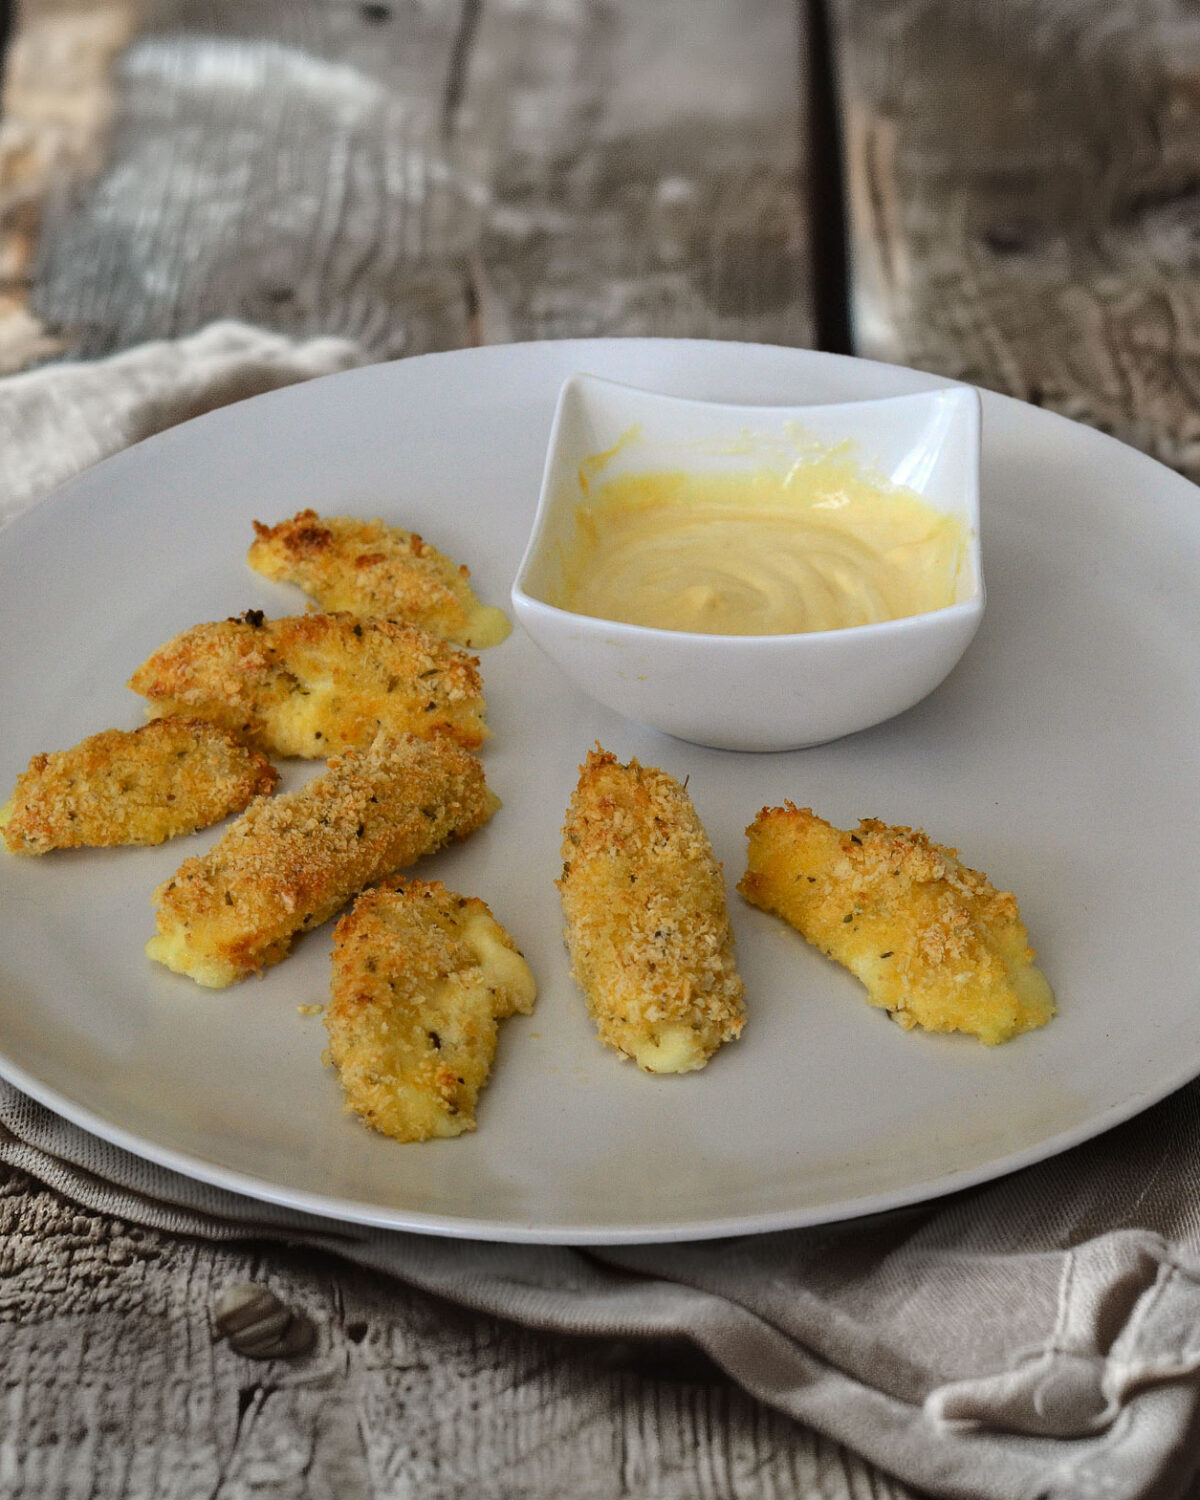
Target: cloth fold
1037,1337
61,419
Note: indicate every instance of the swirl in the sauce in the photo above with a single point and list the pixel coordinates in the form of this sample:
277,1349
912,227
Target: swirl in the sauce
821,547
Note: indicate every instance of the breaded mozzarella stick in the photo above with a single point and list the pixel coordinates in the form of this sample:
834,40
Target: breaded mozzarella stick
421,979
314,685
646,923
368,568
133,786
289,863
935,943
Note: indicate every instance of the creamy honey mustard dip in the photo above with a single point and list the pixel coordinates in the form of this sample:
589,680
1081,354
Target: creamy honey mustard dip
820,546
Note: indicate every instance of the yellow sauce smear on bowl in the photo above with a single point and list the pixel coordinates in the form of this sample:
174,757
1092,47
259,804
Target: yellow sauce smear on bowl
822,546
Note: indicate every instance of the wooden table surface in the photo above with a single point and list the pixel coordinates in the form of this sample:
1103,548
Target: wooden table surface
1004,191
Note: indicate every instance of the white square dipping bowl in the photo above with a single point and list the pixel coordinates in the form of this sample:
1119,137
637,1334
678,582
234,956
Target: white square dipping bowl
753,692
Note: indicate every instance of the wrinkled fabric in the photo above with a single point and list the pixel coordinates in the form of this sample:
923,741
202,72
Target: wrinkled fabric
61,419
1036,1337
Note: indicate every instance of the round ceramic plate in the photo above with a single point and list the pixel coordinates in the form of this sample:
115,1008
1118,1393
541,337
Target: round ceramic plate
1061,757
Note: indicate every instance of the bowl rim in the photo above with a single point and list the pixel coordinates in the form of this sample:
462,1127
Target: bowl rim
956,388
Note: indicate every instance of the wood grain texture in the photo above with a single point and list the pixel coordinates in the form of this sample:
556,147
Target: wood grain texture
114,1387
1024,201
651,172
282,164
435,173
55,112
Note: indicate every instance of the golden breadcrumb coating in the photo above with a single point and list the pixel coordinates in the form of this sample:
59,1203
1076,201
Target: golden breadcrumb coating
314,685
934,942
368,568
289,862
646,922
133,786
421,979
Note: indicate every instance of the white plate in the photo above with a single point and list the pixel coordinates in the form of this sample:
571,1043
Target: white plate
1062,756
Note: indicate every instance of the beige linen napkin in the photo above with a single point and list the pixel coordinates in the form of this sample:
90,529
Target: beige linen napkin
63,418
1036,1338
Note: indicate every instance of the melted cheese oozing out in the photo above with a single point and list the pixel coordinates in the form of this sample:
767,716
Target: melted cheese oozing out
502,968
823,546
486,626
300,718
676,1049
173,950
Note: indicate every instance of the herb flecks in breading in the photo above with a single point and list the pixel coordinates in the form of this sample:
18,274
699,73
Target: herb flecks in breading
421,979
289,863
133,786
314,685
646,922
367,568
936,944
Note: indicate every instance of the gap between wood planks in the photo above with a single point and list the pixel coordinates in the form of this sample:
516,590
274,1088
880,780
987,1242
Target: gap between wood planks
827,212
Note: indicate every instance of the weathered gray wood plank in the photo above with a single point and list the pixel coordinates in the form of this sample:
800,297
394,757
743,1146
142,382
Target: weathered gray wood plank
652,170
112,1387
439,172
1025,202
281,164
55,109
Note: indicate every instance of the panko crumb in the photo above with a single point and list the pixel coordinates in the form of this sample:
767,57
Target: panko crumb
934,942
367,568
134,786
646,921
290,862
421,979
315,685
309,1010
